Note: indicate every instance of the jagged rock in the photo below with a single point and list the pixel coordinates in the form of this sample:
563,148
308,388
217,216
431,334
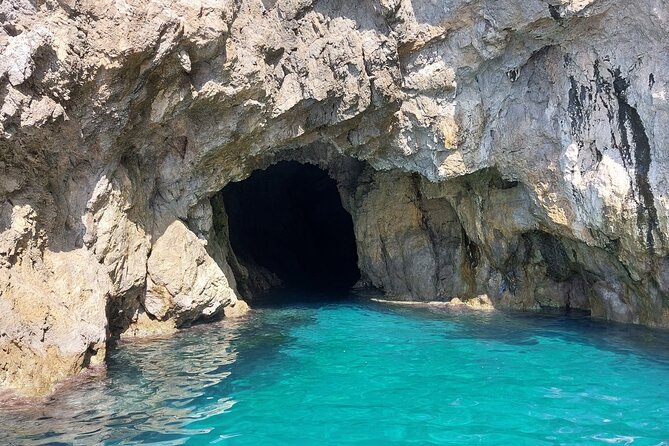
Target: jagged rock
501,148
184,283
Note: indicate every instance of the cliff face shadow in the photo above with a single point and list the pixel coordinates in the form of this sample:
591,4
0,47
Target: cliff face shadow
288,220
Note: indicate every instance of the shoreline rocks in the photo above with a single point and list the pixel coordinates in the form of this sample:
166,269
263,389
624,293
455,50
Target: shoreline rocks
478,303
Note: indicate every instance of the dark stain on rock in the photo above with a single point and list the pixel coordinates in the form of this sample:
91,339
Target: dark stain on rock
635,145
628,136
513,74
575,107
555,13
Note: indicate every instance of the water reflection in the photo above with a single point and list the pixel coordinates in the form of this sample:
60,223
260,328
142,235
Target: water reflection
152,387
156,389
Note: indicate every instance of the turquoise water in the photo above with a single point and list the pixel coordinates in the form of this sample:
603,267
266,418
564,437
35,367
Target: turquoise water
362,373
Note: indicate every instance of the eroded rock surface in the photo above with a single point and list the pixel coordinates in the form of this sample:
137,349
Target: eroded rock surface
514,149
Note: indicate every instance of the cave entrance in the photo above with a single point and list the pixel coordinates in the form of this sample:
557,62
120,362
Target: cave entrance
288,222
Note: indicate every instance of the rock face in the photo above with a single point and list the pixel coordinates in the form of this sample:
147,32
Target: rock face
509,148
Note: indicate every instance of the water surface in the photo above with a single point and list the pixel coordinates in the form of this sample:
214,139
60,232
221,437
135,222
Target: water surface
364,373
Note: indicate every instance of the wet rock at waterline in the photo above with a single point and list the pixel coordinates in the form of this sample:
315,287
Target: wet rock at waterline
499,148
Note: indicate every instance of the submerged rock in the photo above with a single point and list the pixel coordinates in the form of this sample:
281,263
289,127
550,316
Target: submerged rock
512,149
478,303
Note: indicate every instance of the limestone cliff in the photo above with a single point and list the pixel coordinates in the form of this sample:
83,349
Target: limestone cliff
514,148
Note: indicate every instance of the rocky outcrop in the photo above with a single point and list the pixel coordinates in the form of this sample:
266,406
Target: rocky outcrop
507,148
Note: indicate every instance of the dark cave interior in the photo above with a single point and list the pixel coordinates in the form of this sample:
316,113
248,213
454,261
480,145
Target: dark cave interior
289,219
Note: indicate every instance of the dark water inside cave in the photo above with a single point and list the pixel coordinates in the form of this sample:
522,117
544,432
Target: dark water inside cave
352,371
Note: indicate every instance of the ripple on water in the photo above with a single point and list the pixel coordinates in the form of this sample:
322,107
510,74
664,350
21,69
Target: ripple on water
364,373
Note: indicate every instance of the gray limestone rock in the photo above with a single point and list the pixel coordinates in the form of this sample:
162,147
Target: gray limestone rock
514,149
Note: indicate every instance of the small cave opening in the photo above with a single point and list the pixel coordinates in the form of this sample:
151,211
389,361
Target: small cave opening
288,221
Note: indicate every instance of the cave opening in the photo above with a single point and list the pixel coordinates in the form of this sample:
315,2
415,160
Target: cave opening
288,222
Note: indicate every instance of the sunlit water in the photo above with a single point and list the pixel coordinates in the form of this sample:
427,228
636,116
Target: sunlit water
364,373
